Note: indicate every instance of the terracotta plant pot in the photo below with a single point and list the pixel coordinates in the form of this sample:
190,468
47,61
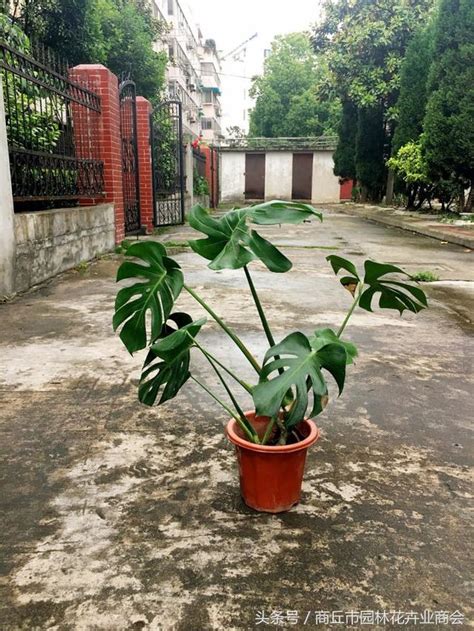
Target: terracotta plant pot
271,476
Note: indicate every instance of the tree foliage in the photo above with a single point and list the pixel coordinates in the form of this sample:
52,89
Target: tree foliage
364,44
369,156
411,104
287,101
344,156
449,121
117,33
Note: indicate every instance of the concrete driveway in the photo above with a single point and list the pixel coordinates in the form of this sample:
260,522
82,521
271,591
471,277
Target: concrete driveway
116,516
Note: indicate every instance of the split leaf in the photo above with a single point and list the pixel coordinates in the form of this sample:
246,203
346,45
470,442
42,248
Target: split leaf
161,283
167,363
301,372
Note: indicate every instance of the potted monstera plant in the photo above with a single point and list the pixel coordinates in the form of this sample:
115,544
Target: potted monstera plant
291,380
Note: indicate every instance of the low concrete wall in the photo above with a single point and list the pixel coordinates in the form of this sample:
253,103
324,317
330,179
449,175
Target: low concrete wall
52,241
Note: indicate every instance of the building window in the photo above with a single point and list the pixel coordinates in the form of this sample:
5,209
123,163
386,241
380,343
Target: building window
170,7
206,123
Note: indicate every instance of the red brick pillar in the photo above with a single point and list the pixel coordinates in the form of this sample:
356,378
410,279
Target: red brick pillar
105,84
145,173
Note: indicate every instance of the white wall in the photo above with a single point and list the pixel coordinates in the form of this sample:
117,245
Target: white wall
278,174
232,176
7,231
325,184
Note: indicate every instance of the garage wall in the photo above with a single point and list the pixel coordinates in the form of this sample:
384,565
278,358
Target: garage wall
326,185
278,175
232,176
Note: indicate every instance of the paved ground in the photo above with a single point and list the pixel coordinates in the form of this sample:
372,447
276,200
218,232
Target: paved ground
460,232
114,516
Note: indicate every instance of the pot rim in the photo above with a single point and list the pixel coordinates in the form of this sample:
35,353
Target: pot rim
234,438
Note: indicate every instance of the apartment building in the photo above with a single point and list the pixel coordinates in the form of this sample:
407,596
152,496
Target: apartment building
211,92
192,72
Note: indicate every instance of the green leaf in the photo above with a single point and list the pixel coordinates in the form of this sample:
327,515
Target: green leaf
161,281
167,362
328,336
230,244
394,294
338,263
302,367
281,212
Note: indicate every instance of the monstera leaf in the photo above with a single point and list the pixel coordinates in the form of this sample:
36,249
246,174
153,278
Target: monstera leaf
322,337
231,244
280,212
338,263
394,294
161,281
302,371
167,362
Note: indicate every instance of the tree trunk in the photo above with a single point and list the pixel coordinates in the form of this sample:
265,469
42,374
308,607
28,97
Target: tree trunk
363,194
389,189
468,206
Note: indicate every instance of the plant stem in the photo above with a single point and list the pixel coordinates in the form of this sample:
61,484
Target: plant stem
227,329
240,412
209,356
258,304
283,431
268,431
358,293
226,408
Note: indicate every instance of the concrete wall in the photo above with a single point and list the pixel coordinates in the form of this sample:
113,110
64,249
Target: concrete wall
278,176
52,241
326,187
232,176
7,240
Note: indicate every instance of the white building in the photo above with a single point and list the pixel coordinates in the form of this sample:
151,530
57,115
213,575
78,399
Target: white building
192,71
211,92
238,67
279,168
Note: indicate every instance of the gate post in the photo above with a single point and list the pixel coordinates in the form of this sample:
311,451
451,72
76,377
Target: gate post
107,87
7,219
145,173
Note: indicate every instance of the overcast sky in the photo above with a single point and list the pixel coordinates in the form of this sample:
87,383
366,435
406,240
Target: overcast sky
230,22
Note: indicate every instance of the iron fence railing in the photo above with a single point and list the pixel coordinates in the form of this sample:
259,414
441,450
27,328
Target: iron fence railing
199,162
52,123
281,144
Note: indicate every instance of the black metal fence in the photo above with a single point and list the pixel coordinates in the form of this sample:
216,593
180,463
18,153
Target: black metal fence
199,162
52,127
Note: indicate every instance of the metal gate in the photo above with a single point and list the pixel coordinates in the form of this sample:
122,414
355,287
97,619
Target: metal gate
130,175
168,172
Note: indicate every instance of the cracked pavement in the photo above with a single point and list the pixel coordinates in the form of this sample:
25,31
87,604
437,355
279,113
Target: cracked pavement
116,516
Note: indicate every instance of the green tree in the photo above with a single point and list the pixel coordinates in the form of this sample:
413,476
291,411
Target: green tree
369,158
287,101
127,35
449,121
117,33
344,156
411,104
66,26
364,44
